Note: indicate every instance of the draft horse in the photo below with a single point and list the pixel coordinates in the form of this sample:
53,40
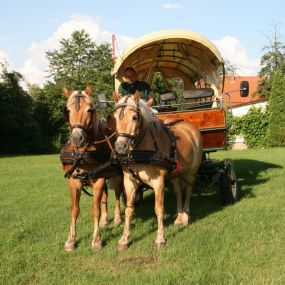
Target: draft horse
88,147
174,154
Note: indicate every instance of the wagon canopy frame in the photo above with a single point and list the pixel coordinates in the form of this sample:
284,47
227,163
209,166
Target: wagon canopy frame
173,53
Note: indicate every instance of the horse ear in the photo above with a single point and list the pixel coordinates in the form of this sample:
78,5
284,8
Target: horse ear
89,90
67,92
116,96
111,122
137,96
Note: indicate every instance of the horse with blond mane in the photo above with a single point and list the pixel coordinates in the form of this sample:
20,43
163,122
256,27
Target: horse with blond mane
88,148
173,152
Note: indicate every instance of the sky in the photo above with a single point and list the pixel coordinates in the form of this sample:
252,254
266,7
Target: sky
239,29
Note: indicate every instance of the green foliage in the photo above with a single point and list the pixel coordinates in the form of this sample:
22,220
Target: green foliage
33,123
19,132
158,86
80,61
253,127
276,126
272,60
230,68
49,102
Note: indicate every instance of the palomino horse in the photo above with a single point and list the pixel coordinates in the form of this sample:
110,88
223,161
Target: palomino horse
87,149
139,131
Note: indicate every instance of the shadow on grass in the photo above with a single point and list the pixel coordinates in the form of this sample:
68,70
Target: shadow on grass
203,202
252,173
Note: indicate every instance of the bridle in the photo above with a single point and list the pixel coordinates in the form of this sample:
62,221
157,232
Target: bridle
138,135
77,107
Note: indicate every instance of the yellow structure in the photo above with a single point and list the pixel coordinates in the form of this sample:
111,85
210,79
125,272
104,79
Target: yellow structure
173,53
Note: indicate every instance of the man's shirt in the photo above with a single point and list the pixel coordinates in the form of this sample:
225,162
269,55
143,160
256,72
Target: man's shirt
141,86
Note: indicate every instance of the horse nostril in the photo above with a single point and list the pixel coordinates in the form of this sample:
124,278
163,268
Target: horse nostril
78,139
121,147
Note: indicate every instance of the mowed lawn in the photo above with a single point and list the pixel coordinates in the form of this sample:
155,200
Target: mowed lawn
239,244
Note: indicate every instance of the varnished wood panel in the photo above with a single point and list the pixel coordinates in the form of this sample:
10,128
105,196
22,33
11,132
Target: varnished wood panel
202,119
211,123
214,139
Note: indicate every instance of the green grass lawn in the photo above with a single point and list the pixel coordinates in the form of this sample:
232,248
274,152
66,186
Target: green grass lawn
239,244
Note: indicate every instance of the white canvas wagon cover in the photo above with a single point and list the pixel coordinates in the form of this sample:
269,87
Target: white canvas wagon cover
174,53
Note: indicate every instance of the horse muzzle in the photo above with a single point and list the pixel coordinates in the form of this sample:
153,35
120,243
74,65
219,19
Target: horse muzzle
122,146
78,137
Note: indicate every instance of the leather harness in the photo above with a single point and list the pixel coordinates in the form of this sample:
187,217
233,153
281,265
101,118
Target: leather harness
94,151
112,165
146,156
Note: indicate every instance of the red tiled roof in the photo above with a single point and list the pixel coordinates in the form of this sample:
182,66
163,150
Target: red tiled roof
233,83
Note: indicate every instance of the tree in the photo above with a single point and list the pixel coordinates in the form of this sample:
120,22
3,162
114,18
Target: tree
230,68
49,102
76,63
19,132
276,126
158,86
80,61
271,61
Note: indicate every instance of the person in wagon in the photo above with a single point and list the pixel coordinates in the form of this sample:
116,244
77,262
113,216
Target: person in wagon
132,84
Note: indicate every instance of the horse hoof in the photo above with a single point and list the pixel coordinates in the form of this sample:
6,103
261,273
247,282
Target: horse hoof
68,247
122,247
178,223
160,245
179,220
96,246
185,219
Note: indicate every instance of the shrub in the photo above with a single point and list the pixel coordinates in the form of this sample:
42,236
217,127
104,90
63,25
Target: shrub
253,127
276,124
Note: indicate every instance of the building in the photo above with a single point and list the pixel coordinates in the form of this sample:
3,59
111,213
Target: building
241,105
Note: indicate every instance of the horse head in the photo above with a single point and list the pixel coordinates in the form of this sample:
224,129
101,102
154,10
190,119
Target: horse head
80,113
127,115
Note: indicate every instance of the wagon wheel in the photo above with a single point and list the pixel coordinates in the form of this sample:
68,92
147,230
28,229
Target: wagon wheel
228,183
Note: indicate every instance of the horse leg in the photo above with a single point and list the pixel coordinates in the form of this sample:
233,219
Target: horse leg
189,181
159,211
130,190
117,212
75,191
98,187
119,188
178,192
104,208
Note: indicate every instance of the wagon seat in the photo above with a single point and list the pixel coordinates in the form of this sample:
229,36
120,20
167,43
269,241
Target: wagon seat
166,98
198,98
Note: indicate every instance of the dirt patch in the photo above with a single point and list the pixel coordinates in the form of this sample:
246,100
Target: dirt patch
140,260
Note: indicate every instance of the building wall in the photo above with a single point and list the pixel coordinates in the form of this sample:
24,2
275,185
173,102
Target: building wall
243,110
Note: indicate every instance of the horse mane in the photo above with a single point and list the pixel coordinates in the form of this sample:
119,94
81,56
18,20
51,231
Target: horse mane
82,95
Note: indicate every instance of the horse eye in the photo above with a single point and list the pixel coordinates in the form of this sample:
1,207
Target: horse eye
89,110
135,117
